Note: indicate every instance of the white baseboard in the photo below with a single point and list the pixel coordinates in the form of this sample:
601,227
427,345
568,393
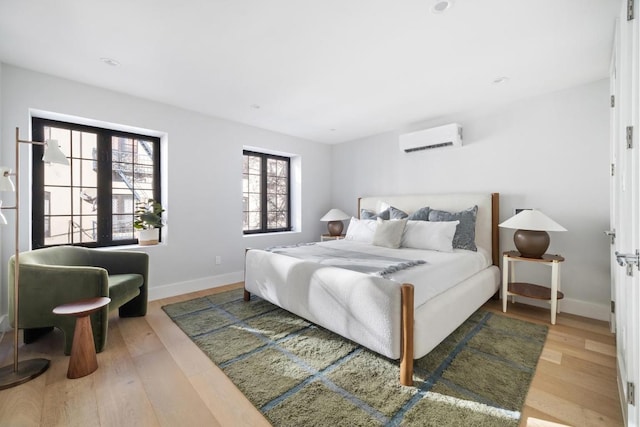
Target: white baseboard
573,306
180,288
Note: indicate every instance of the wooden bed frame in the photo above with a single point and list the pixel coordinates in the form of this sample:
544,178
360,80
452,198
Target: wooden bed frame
407,299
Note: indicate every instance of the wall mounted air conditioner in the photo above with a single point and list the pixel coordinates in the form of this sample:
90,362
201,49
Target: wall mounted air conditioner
442,136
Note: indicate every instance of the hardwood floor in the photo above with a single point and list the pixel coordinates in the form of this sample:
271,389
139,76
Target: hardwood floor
151,374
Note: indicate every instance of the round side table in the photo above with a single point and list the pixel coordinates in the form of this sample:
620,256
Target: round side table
83,360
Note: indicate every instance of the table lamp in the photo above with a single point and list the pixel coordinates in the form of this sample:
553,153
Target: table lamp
335,218
531,237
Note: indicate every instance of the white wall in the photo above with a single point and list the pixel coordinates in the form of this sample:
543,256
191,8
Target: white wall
550,153
203,183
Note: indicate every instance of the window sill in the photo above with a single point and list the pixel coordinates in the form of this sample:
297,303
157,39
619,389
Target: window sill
276,233
129,247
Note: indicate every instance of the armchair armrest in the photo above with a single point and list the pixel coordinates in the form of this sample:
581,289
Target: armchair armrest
122,262
127,262
43,287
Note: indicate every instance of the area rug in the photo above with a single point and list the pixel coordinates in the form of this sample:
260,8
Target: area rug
298,374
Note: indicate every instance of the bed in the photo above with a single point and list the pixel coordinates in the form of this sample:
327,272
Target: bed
387,313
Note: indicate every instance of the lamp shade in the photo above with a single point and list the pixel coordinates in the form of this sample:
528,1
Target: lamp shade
531,237
335,215
534,220
5,180
53,154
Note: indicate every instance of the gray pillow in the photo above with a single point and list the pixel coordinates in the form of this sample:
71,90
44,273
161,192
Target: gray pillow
465,237
368,214
389,233
395,213
421,214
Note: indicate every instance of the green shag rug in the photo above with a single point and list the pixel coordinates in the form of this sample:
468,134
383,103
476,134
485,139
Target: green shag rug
298,374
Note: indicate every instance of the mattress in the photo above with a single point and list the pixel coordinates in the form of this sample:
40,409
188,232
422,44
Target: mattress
442,270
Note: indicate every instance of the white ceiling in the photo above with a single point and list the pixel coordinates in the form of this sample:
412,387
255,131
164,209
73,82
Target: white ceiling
324,70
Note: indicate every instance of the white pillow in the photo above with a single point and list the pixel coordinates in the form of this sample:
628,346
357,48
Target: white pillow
436,236
389,233
361,230
382,206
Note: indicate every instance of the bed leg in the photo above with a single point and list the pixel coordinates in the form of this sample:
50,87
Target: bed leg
247,294
406,350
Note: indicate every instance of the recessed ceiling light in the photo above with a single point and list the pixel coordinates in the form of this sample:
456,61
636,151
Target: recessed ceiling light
500,80
440,6
110,61
332,130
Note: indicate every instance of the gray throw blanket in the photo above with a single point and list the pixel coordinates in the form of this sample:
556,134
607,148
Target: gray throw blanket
351,260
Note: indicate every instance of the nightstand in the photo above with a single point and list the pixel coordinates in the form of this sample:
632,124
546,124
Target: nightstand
512,288
325,237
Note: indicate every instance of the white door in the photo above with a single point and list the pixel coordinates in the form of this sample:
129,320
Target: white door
614,184
627,215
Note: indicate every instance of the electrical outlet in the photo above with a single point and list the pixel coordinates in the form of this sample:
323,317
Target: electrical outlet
516,211
218,259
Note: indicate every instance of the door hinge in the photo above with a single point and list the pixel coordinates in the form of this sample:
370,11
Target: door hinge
612,236
631,393
613,169
613,307
613,101
629,136
630,10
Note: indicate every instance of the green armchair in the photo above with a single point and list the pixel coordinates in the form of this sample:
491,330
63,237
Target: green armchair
57,275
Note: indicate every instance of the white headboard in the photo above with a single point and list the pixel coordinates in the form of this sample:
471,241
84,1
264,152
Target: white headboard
486,221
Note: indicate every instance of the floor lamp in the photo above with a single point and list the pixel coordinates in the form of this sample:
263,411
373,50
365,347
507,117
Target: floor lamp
21,372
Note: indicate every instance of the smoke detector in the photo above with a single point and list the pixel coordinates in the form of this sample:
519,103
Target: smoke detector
440,6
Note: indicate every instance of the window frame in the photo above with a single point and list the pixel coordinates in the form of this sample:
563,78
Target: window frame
104,159
263,192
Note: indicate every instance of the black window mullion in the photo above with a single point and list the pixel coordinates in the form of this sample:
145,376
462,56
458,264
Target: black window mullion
104,188
288,194
156,178
263,192
37,187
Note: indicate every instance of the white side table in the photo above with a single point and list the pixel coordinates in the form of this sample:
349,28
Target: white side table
512,288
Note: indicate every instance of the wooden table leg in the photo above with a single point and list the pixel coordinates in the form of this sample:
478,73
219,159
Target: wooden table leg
83,359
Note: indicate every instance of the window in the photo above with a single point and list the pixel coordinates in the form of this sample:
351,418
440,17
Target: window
265,193
92,201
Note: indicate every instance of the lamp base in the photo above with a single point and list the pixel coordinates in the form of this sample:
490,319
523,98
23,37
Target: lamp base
531,244
27,370
335,228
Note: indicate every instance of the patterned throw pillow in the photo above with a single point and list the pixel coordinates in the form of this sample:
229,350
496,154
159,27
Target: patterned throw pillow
421,214
395,213
465,237
369,214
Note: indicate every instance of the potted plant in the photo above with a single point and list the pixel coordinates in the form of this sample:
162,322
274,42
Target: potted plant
148,221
